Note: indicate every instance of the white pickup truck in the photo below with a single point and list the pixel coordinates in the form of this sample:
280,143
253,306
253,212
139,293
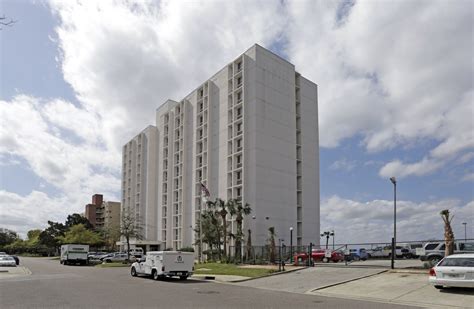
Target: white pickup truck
161,264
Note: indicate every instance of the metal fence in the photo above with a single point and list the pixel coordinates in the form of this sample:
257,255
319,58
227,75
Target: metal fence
350,252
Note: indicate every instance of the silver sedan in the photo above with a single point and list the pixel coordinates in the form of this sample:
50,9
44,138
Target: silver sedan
7,260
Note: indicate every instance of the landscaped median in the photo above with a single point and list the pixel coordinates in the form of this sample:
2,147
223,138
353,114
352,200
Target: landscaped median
235,273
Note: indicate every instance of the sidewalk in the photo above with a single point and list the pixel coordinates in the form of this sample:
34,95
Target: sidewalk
400,287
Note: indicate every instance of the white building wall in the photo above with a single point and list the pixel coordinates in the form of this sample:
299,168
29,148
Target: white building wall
269,151
139,180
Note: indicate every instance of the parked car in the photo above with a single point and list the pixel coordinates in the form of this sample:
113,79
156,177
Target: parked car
411,247
386,252
6,260
434,251
456,270
137,252
117,257
96,255
318,255
17,259
358,254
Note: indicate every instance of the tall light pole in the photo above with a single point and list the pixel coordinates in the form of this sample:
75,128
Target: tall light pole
394,239
333,241
291,245
465,231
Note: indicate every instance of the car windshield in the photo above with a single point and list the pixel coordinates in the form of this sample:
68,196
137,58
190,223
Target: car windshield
458,262
6,258
430,246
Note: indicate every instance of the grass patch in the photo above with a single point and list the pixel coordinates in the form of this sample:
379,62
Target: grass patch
116,264
230,269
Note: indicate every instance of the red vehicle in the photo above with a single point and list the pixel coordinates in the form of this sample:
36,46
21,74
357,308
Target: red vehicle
318,255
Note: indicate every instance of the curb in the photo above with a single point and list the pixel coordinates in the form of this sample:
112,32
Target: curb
345,281
270,275
254,278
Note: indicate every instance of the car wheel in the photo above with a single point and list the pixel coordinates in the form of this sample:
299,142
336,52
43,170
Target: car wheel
133,272
108,261
439,287
155,275
325,260
364,259
183,277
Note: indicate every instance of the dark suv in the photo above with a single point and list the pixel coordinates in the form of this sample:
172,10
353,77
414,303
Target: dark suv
434,251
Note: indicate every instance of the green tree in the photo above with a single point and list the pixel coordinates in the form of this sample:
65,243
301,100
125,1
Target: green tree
236,208
76,219
79,234
211,232
50,236
271,244
110,234
7,237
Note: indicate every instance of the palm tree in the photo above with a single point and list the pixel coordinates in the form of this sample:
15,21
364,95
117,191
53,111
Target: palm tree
240,211
249,244
271,241
219,207
448,232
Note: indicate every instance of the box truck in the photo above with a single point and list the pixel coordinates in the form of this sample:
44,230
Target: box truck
74,253
160,264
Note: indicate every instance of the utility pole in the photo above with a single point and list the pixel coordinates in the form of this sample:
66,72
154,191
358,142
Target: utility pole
394,239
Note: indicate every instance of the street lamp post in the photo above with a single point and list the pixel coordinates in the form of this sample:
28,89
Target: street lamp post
394,239
279,253
465,231
291,245
333,241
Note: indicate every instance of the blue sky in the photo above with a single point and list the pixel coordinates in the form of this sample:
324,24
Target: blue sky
78,82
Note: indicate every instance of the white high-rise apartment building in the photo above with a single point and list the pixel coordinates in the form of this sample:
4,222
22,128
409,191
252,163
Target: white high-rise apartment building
249,132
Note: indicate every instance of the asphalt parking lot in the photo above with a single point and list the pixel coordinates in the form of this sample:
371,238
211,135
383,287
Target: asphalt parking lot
51,285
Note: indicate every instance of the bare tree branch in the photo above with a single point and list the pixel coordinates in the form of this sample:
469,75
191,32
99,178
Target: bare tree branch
5,21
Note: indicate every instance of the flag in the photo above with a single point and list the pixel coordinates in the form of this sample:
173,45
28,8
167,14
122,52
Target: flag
204,193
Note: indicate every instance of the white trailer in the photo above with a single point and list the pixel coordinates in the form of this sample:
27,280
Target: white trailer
73,254
161,264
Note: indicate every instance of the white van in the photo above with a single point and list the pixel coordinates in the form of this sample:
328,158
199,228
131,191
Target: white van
160,264
73,254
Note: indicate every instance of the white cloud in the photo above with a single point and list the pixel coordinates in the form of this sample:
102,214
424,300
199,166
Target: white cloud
343,164
383,72
394,73
23,213
372,221
34,129
401,170
124,59
468,177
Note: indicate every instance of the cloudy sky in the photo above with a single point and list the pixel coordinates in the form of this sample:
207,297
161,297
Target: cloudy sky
78,79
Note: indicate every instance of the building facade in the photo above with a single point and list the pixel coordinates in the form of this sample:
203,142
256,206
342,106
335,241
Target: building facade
250,132
139,186
103,214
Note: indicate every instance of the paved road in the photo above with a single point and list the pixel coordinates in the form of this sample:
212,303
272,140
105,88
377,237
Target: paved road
305,280
52,285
